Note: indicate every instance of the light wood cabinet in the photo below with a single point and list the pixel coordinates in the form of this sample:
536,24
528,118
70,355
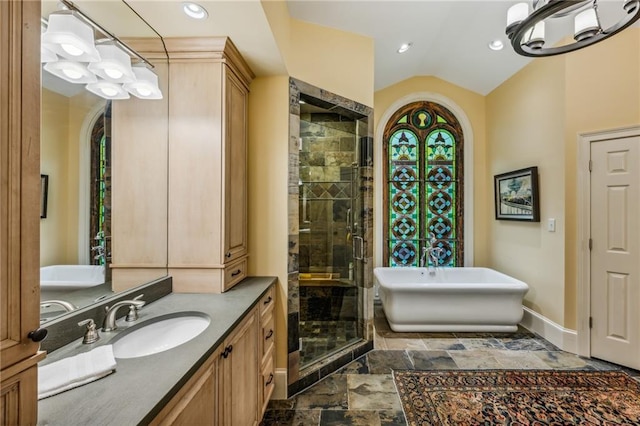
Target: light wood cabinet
239,374
208,95
233,387
19,208
267,349
196,402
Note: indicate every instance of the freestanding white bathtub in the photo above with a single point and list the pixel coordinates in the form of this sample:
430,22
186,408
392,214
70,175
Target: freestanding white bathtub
451,299
57,280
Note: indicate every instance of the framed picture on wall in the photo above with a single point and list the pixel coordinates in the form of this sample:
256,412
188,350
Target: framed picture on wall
516,195
44,190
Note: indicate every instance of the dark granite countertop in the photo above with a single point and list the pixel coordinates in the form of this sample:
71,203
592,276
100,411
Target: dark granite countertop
140,387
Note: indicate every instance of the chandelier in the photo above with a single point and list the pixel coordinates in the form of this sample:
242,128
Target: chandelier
526,25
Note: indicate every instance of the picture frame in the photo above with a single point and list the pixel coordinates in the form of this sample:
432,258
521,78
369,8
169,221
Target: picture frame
44,193
516,195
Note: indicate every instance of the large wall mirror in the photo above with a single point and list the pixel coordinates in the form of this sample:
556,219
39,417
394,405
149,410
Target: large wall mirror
104,224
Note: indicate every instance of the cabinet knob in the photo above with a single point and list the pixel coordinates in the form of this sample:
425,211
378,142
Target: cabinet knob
268,336
228,254
269,299
38,334
270,379
226,351
233,274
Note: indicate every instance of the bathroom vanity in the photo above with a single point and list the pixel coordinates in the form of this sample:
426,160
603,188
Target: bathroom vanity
223,376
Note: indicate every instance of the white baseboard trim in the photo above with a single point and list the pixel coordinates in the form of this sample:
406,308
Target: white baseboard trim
280,387
564,338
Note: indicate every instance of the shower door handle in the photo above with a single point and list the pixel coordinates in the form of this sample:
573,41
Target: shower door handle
358,248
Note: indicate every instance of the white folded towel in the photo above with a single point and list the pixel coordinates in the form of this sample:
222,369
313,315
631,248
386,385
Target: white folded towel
75,371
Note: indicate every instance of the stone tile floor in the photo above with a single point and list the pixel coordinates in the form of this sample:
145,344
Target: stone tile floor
318,338
363,392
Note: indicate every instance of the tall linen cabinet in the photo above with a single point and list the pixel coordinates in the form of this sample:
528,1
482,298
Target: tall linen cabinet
208,94
19,210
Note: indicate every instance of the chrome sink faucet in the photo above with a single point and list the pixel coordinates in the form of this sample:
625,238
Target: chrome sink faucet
110,312
63,303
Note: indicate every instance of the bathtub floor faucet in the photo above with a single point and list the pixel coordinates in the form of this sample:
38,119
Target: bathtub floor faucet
434,255
423,258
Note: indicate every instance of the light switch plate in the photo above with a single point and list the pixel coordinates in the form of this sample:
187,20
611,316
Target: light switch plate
551,225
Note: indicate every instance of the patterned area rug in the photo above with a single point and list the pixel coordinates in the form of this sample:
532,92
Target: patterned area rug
518,397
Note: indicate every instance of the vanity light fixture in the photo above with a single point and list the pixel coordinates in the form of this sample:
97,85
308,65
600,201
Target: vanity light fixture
71,71
146,84
47,55
115,65
70,34
70,37
404,47
526,29
194,10
107,90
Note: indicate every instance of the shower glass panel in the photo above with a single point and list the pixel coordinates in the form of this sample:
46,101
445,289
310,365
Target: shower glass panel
330,236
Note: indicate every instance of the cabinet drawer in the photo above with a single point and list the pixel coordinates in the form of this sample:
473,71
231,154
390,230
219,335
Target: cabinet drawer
268,334
268,381
267,302
234,273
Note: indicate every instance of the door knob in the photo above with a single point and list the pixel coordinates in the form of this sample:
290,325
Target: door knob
38,334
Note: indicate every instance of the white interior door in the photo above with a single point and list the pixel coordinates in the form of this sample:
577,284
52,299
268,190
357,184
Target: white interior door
615,254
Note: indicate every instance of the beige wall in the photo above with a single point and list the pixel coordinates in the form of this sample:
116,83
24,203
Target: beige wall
525,122
534,119
54,161
602,92
65,125
473,106
268,154
334,60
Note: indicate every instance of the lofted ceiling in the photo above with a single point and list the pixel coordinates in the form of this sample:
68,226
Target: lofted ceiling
449,37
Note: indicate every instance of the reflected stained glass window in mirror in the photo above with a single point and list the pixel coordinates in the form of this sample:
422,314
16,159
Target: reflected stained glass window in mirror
423,189
100,220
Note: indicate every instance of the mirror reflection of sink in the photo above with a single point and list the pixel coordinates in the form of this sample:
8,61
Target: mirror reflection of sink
159,334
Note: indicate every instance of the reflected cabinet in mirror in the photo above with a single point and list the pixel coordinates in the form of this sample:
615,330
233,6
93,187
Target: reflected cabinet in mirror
105,229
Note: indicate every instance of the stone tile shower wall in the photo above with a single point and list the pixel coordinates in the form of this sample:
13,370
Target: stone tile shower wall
335,165
326,158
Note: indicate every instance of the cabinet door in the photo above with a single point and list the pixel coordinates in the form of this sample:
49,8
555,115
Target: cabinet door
236,167
197,402
241,377
19,180
18,398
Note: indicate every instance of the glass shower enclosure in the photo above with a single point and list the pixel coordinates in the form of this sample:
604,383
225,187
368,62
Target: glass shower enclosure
330,235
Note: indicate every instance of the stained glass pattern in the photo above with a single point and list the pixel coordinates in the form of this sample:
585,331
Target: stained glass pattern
404,194
423,152
440,146
404,146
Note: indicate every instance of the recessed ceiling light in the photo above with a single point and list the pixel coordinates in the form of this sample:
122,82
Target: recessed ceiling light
496,45
405,47
194,10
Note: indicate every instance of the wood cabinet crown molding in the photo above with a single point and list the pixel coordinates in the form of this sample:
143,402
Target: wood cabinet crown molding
149,47
213,48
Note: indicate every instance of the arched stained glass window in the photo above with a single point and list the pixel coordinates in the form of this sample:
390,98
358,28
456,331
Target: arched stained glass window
100,208
423,185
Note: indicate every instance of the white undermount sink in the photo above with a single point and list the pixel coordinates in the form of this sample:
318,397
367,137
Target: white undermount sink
160,334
